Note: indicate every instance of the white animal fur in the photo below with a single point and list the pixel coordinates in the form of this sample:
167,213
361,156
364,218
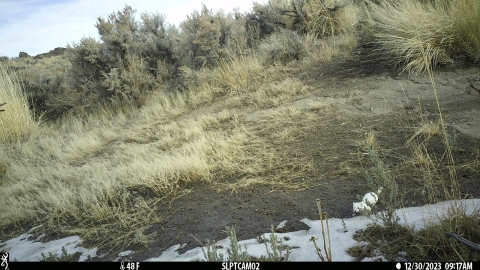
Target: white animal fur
370,198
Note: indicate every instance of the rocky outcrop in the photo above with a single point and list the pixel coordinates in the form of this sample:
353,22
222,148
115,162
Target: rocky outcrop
23,55
54,52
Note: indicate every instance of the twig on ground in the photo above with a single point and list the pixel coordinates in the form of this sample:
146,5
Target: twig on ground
473,87
462,240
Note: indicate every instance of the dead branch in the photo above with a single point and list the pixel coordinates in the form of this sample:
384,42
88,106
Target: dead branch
473,87
464,241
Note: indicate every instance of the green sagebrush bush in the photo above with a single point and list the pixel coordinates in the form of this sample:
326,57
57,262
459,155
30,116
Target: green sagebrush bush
262,21
206,37
283,46
129,83
132,59
319,17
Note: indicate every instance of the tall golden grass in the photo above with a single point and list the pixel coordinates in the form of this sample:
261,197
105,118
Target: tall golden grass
427,33
17,120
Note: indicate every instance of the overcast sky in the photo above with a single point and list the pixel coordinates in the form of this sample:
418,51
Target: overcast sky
38,26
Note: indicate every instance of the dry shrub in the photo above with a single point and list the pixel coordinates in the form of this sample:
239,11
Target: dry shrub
133,58
130,83
207,37
326,18
282,47
323,18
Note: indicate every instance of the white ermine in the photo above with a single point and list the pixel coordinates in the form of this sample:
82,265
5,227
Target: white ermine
370,198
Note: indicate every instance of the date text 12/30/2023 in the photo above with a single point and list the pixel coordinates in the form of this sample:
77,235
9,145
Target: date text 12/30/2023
438,266
240,266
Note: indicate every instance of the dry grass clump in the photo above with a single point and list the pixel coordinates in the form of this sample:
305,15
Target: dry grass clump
367,142
418,35
430,129
247,81
17,120
321,51
466,14
424,34
287,46
270,94
271,156
237,72
427,130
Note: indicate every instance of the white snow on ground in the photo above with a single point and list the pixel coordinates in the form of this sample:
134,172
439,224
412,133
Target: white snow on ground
282,224
302,249
22,249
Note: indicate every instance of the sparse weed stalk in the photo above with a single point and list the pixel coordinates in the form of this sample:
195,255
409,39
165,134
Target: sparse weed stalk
65,257
211,254
428,130
325,236
379,178
452,136
235,252
430,167
277,249
238,254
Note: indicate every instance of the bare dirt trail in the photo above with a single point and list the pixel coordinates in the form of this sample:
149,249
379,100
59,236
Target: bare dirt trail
350,97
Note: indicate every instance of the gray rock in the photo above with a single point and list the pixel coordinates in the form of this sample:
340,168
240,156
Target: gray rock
23,55
54,52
